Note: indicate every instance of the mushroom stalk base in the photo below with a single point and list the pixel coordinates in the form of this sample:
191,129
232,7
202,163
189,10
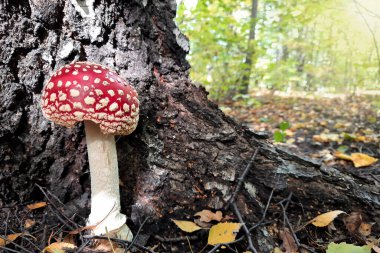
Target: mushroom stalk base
105,197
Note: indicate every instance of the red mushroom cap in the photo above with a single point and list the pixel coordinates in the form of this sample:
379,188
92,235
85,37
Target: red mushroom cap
88,91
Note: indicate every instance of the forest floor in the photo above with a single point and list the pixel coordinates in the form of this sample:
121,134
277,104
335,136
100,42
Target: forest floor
329,130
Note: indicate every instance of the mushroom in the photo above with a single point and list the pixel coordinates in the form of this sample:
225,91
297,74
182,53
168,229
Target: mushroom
109,106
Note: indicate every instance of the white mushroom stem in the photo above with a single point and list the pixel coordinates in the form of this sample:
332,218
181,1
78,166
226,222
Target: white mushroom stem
105,197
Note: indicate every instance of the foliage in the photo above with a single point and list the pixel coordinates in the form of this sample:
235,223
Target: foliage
347,248
280,135
300,45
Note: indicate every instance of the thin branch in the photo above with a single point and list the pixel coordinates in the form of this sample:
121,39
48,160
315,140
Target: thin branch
138,232
241,178
247,233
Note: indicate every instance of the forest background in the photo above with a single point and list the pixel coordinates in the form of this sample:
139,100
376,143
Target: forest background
328,46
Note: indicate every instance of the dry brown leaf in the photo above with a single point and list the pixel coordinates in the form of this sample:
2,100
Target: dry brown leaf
325,219
36,205
187,226
353,221
376,249
28,223
58,247
10,238
288,241
207,216
365,229
223,233
362,160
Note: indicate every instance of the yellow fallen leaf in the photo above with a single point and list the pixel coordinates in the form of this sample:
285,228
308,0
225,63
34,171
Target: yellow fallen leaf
10,238
207,216
362,160
343,156
36,205
325,219
58,247
187,226
223,233
277,250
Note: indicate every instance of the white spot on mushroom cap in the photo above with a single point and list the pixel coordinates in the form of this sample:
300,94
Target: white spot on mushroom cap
50,85
59,84
97,71
97,80
75,73
61,96
79,115
105,83
68,83
77,105
111,92
53,97
126,107
86,78
98,92
113,107
46,102
86,88
65,108
102,103
89,100
74,93
121,92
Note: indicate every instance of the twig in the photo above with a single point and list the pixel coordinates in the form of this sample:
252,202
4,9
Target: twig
247,233
286,219
138,232
8,249
241,179
60,213
118,241
176,239
81,248
17,245
265,212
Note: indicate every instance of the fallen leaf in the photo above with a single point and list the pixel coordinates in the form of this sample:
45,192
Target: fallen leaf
288,241
365,229
58,247
343,156
277,250
223,233
10,238
353,221
207,216
347,248
28,223
187,226
362,160
36,205
359,159
325,219
376,249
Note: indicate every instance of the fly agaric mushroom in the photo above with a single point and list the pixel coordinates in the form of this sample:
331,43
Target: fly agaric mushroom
108,105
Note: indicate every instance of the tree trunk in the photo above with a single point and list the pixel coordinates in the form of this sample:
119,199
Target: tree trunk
185,155
248,62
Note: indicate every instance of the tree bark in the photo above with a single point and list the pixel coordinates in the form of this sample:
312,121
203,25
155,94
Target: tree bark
185,155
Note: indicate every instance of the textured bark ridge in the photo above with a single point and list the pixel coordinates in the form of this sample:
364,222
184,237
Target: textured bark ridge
185,154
